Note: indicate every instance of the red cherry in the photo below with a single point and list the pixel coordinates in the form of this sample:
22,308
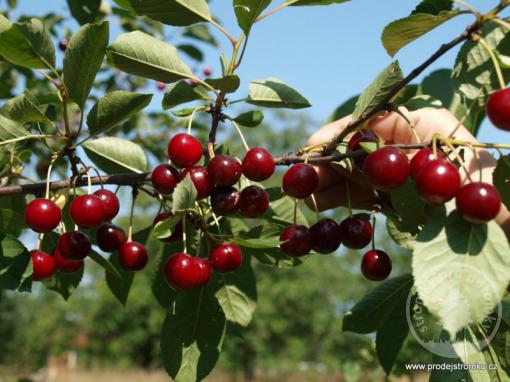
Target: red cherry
254,202
224,170
258,164
355,144
111,205
178,229
226,257
376,265
207,71
66,266
225,200
161,85
300,181
43,265
110,237
201,179
421,159
183,272
297,240
164,178
133,256
63,44
438,181
498,109
42,215
325,236
184,150
356,232
205,266
478,202
387,168
74,245
87,211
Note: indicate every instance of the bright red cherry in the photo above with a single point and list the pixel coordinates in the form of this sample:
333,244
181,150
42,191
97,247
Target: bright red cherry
183,272
387,168
178,229
498,109
224,170
205,266
42,215
66,266
226,257
201,179
438,181
478,202
207,71
422,158
356,232
258,164
111,205
164,178
376,265
300,181
161,85
355,144
87,211
297,240
74,245
110,237
325,236
254,202
133,256
43,265
184,150
225,200
63,44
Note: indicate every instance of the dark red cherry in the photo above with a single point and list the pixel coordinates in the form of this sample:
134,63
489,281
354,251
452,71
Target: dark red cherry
111,205
498,109
376,265
300,181
325,236
205,266
63,44
184,150
226,257
297,240
356,232
74,245
161,85
224,170
87,211
43,265
164,178
178,229
355,144
225,200
387,168
183,272
66,266
421,159
254,202
201,179
207,71
110,237
478,202
258,164
438,181
133,256
42,215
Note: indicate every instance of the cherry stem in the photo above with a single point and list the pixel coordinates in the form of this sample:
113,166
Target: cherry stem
348,191
374,223
315,207
48,176
295,211
190,123
131,213
411,126
184,238
467,6
274,10
40,238
459,159
478,162
494,60
241,135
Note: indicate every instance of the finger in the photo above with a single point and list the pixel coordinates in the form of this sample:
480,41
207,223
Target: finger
328,132
336,195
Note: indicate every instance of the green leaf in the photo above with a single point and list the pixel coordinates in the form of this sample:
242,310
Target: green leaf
115,155
184,195
162,292
422,101
501,179
164,228
260,243
126,5
202,33
182,92
173,12
401,32
14,262
272,92
247,12
192,51
120,287
283,209
84,11
186,112
369,314
82,60
369,147
409,206
318,2
142,55
11,222
27,44
250,119
114,108
400,234
23,108
65,283
227,84
10,130
449,243
378,89
433,7
343,110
